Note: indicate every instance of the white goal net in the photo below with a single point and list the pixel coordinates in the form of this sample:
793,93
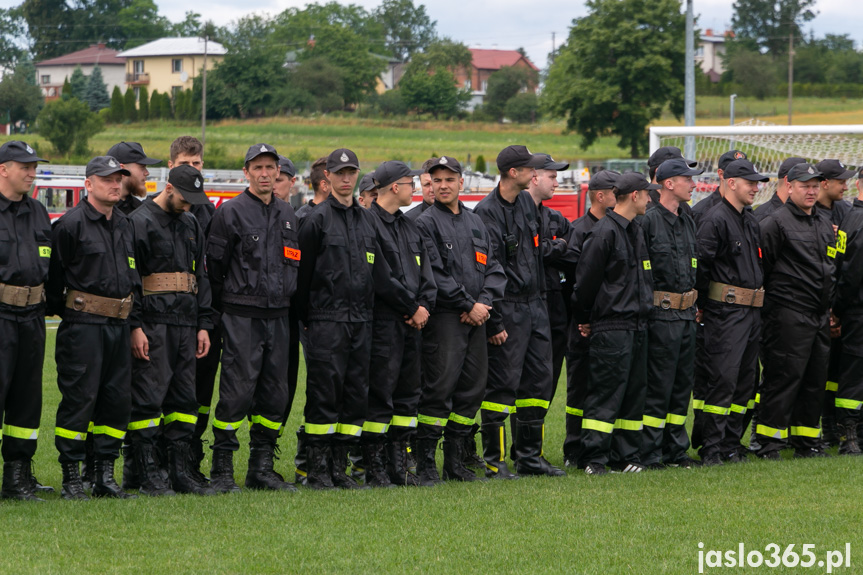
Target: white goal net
766,145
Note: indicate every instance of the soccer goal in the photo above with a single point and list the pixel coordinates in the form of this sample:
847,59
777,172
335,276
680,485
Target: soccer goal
766,145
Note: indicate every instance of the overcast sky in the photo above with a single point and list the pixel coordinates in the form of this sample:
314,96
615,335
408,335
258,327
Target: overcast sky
509,24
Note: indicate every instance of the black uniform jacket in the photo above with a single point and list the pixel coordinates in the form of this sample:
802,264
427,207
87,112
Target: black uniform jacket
729,250
340,246
799,259
849,262
613,279
253,256
168,243
404,280
835,213
415,212
305,209
204,214
25,250
673,255
92,254
465,269
559,253
581,228
768,207
700,209
128,204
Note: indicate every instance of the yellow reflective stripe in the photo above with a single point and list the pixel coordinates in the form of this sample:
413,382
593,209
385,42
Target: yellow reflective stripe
268,423
502,442
106,430
404,421
348,429
832,386
675,419
499,407
738,408
627,425
532,403
204,409
757,398
574,411
184,417
69,434
90,427
715,409
697,404
750,405
656,422
597,425
20,432
143,424
228,425
320,428
771,432
456,418
805,431
431,420
845,403
375,427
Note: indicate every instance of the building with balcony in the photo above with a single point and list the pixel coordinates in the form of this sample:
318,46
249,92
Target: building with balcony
484,64
51,74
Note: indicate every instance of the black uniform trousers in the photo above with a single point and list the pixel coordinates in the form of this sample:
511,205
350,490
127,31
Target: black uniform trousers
611,431
253,381
206,369
293,363
670,367
22,353
94,373
454,373
731,337
834,367
577,374
699,386
337,381
797,344
394,378
519,371
849,395
558,321
165,385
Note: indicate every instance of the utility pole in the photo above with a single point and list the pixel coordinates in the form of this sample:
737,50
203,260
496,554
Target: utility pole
204,96
790,70
552,46
689,86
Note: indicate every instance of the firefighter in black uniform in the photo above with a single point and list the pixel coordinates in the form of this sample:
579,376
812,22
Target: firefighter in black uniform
780,196
519,374
252,262
799,250
614,288
706,204
25,251
730,295
655,160
427,192
336,294
169,324
91,284
134,161
404,296
367,191
670,235
455,356
600,190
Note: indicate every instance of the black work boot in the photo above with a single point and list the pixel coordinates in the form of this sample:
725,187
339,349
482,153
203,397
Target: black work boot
453,460
829,431
88,468
261,474
397,465
73,487
426,464
149,472
182,464
412,449
105,485
358,465
300,459
374,456
494,451
340,464
16,481
196,452
36,487
471,459
754,445
130,468
318,461
528,447
222,472
848,445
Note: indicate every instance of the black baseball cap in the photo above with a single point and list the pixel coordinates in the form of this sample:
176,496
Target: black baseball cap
788,164
728,157
666,153
550,164
287,166
18,151
367,183
518,157
632,182
675,167
804,172
603,180
190,183
447,162
834,170
342,158
260,149
743,169
391,172
105,166
131,153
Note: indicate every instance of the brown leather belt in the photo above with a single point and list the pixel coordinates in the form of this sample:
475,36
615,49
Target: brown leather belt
170,282
670,300
21,296
98,305
736,295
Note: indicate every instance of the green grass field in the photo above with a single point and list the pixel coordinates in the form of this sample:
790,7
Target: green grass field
644,524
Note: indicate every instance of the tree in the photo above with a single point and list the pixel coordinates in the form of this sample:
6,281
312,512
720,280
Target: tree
189,27
130,110
11,37
753,73
314,86
407,27
140,23
428,84
96,94
143,103
155,110
68,125
165,106
78,84
19,95
522,108
765,24
118,106
503,85
622,65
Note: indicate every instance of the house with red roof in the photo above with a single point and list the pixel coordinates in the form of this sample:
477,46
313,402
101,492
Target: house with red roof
50,74
484,64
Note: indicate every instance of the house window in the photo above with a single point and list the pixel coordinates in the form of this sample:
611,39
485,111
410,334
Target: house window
177,65
46,79
485,85
467,84
699,52
138,66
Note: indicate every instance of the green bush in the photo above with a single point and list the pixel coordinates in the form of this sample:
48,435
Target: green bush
68,125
